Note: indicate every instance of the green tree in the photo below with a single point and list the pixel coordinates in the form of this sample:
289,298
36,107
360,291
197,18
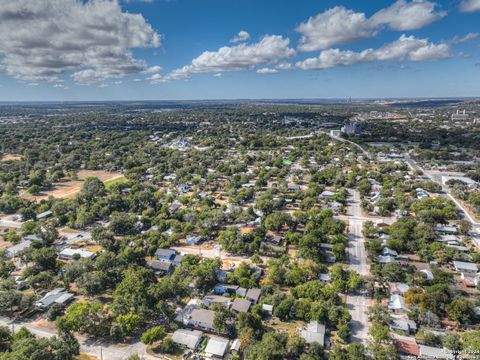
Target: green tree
153,334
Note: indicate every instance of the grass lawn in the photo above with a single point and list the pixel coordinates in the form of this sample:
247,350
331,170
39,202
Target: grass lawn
118,180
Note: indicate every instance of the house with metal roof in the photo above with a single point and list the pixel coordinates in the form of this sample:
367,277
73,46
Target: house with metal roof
165,254
465,267
216,299
314,332
397,304
70,253
216,347
14,250
58,296
187,338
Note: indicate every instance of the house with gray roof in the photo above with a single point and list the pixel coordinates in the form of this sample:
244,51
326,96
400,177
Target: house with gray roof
241,305
202,318
56,296
187,338
14,250
314,332
216,347
253,294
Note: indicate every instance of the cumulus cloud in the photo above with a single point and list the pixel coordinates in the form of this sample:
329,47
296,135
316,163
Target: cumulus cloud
240,37
153,69
457,39
339,25
266,70
405,48
470,5
90,40
270,49
283,66
155,78
404,15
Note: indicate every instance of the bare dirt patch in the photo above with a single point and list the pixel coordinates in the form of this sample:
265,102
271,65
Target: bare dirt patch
68,188
11,157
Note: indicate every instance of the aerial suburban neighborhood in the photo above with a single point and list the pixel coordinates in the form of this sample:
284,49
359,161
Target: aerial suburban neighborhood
229,237
239,180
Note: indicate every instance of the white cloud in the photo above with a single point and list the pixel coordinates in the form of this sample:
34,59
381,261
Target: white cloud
270,49
334,26
267,70
240,37
218,75
457,39
404,15
470,5
91,40
339,25
405,48
155,78
283,66
153,69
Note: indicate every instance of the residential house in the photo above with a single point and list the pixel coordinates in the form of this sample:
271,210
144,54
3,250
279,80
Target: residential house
193,239
216,299
177,260
14,250
241,305
405,325
56,296
216,347
160,267
202,318
253,294
165,254
465,267
314,332
397,304
221,289
452,230
70,253
326,194
389,252
187,338
407,346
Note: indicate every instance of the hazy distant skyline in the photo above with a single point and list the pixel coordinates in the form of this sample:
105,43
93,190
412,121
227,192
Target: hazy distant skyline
216,49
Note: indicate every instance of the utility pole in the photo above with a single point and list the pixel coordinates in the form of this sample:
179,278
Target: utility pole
101,352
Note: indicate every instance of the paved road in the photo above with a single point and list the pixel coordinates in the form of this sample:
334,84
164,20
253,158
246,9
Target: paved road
463,212
95,348
357,259
359,147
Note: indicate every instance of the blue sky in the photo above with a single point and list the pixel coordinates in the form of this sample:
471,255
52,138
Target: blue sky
225,49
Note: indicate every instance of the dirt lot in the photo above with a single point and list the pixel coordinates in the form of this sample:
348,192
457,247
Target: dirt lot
71,187
8,157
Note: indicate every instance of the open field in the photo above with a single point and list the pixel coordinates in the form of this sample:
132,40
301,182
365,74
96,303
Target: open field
71,187
10,157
